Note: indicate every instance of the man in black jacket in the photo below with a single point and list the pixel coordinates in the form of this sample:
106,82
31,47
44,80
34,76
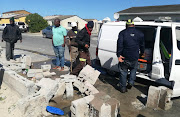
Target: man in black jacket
130,41
11,35
83,40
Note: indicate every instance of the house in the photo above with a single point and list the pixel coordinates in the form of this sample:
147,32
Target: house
19,16
151,13
66,20
96,25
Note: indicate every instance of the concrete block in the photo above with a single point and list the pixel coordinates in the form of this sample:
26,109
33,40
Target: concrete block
39,76
90,89
46,67
68,78
27,60
104,106
33,105
165,102
115,107
80,85
48,88
48,74
80,107
61,89
33,72
88,73
69,91
21,85
153,97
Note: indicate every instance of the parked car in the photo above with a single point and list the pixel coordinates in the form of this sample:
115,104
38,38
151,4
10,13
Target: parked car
161,62
2,26
22,26
47,32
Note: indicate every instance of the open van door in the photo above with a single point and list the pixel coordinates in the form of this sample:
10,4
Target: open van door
175,60
157,65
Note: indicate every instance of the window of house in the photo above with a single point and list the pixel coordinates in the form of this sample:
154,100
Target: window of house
69,24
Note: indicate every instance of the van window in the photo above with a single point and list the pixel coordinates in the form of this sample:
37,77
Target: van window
178,37
21,23
149,35
166,38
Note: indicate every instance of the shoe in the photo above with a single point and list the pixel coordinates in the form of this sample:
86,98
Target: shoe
57,67
62,69
123,90
129,86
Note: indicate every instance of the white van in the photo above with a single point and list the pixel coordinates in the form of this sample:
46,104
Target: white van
161,62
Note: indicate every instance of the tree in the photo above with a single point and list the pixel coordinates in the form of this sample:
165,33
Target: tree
36,22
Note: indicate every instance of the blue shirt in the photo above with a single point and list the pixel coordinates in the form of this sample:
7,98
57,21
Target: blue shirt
58,35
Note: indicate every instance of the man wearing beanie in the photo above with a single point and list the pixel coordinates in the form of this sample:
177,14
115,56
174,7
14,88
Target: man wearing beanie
83,40
11,35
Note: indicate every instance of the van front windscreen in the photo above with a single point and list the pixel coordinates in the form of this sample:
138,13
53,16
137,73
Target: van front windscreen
178,37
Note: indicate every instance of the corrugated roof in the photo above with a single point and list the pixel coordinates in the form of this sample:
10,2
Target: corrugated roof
15,11
61,17
151,9
89,20
16,16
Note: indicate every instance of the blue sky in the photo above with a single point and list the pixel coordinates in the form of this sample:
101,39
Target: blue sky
86,9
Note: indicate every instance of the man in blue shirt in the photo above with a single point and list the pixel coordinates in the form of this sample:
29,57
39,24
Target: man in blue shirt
59,35
130,41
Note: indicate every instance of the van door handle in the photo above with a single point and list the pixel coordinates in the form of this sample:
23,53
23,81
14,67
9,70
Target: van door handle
177,62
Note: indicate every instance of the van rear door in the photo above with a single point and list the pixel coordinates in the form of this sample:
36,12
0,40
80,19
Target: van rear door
108,45
175,70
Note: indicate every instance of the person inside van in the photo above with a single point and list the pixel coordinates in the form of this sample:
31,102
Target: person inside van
129,42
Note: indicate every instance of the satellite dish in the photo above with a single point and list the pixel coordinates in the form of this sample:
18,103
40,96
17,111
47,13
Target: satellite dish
116,16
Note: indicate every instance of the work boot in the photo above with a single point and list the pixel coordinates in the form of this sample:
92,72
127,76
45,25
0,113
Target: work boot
123,90
129,86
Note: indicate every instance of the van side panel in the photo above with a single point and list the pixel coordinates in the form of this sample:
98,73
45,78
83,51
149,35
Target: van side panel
108,45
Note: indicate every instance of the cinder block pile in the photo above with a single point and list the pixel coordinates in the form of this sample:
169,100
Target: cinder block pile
44,72
97,105
159,97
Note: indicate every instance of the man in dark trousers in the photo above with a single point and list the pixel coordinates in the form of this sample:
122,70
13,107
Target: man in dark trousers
73,46
83,40
130,41
11,35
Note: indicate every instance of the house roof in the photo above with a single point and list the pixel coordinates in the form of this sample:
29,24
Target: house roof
17,11
152,9
89,20
61,17
16,16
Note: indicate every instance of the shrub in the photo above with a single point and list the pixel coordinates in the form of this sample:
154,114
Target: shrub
36,22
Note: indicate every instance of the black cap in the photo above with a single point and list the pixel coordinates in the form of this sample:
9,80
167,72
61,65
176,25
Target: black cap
90,24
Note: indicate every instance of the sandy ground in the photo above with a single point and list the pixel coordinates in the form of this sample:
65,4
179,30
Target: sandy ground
8,102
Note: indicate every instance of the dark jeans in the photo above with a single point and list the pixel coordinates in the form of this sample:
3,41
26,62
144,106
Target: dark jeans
123,68
9,51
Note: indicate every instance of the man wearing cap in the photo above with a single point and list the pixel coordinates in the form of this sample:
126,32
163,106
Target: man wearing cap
73,46
11,34
83,40
130,41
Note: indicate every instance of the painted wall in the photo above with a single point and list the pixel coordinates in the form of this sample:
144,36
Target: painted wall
6,21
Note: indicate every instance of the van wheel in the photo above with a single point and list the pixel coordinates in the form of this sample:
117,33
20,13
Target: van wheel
111,73
44,36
